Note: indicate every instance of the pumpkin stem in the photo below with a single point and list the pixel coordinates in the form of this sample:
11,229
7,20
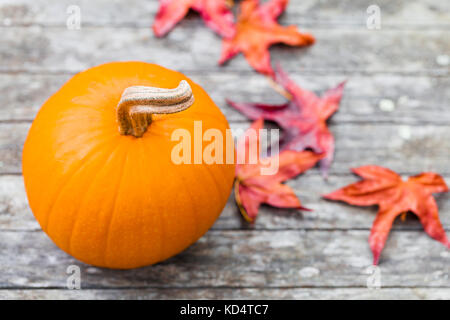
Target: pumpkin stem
138,103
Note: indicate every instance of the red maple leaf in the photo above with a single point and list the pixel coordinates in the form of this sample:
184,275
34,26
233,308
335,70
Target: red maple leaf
257,30
303,119
259,180
215,13
394,196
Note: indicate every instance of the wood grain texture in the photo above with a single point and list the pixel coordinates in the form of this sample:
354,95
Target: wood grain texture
240,259
416,99
55,50
336,13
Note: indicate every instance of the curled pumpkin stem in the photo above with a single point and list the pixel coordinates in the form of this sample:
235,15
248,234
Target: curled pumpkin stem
138,103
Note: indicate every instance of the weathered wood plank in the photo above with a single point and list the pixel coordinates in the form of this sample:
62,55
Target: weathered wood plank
16,215
394,14
230,294
345,51
240,259
138,13
416,99
394,146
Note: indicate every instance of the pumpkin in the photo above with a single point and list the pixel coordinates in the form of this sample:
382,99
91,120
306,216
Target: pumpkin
99,171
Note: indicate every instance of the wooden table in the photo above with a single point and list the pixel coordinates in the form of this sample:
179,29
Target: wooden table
395,113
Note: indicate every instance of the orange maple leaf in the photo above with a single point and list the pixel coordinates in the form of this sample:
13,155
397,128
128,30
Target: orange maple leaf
254,187
394,196
258,29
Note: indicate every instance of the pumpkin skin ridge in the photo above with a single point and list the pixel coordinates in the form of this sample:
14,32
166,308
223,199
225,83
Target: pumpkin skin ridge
164,227
161,224
109,156
196,232
143,181
114,208
60,189
213,178
68,249
78,167
221,192
193,209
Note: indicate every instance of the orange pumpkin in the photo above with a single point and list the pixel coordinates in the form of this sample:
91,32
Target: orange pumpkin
98,167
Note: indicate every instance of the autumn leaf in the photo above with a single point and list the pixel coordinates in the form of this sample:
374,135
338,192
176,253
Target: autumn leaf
303,119
257,29
257,183
394,196
215,13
